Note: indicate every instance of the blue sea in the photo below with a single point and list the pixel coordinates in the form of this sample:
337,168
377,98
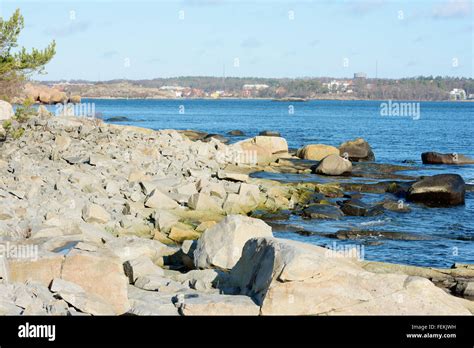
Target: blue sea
440,126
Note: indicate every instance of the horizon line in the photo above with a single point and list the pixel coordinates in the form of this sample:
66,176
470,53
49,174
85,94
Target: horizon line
258,77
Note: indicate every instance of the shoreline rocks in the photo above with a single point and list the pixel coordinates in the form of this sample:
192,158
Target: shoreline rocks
445,158
357,150
438,190
316,152
333,165
285,278
221,245
134,221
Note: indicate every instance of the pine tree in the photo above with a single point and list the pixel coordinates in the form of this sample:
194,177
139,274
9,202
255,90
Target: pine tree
16,64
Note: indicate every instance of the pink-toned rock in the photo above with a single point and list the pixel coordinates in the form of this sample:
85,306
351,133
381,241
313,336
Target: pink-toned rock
100,273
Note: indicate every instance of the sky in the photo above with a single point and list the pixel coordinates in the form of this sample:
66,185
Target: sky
102,40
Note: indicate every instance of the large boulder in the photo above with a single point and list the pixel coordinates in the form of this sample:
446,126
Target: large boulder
42,269
316,152
357,150
99,273
247,152
273,143
438,190
292,278
80,299
261,149
6,110
445,158
44,94
221,245
333,165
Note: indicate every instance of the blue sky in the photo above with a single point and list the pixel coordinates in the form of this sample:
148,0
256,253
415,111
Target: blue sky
102,40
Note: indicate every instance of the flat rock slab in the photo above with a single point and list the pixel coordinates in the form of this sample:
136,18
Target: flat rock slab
367,234
215,304
144,302
323,211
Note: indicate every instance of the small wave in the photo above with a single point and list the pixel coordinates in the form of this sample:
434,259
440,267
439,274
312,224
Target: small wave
375,222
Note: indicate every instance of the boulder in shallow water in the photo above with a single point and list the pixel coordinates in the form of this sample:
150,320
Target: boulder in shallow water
316,152
333,165
355,207
270,133
357,150
322,211
236,132
445,158
438,190
219,137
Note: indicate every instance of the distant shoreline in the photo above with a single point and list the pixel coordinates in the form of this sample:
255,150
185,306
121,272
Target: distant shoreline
283,100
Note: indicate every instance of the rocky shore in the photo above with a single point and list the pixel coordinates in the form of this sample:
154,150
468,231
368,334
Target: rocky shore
99,219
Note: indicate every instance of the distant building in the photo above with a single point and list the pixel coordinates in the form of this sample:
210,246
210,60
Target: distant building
172,88
457,94
339,86
256,87
252,90
360,75
470,96
217,94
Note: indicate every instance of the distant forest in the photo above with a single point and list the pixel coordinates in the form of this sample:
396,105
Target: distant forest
416,88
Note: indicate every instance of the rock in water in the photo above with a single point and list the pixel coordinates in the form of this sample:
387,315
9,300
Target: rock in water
355,207
236,132
322,211
6,110
219,137
221,245
438,190
333,165
270,133
316,152
357,150
445,158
